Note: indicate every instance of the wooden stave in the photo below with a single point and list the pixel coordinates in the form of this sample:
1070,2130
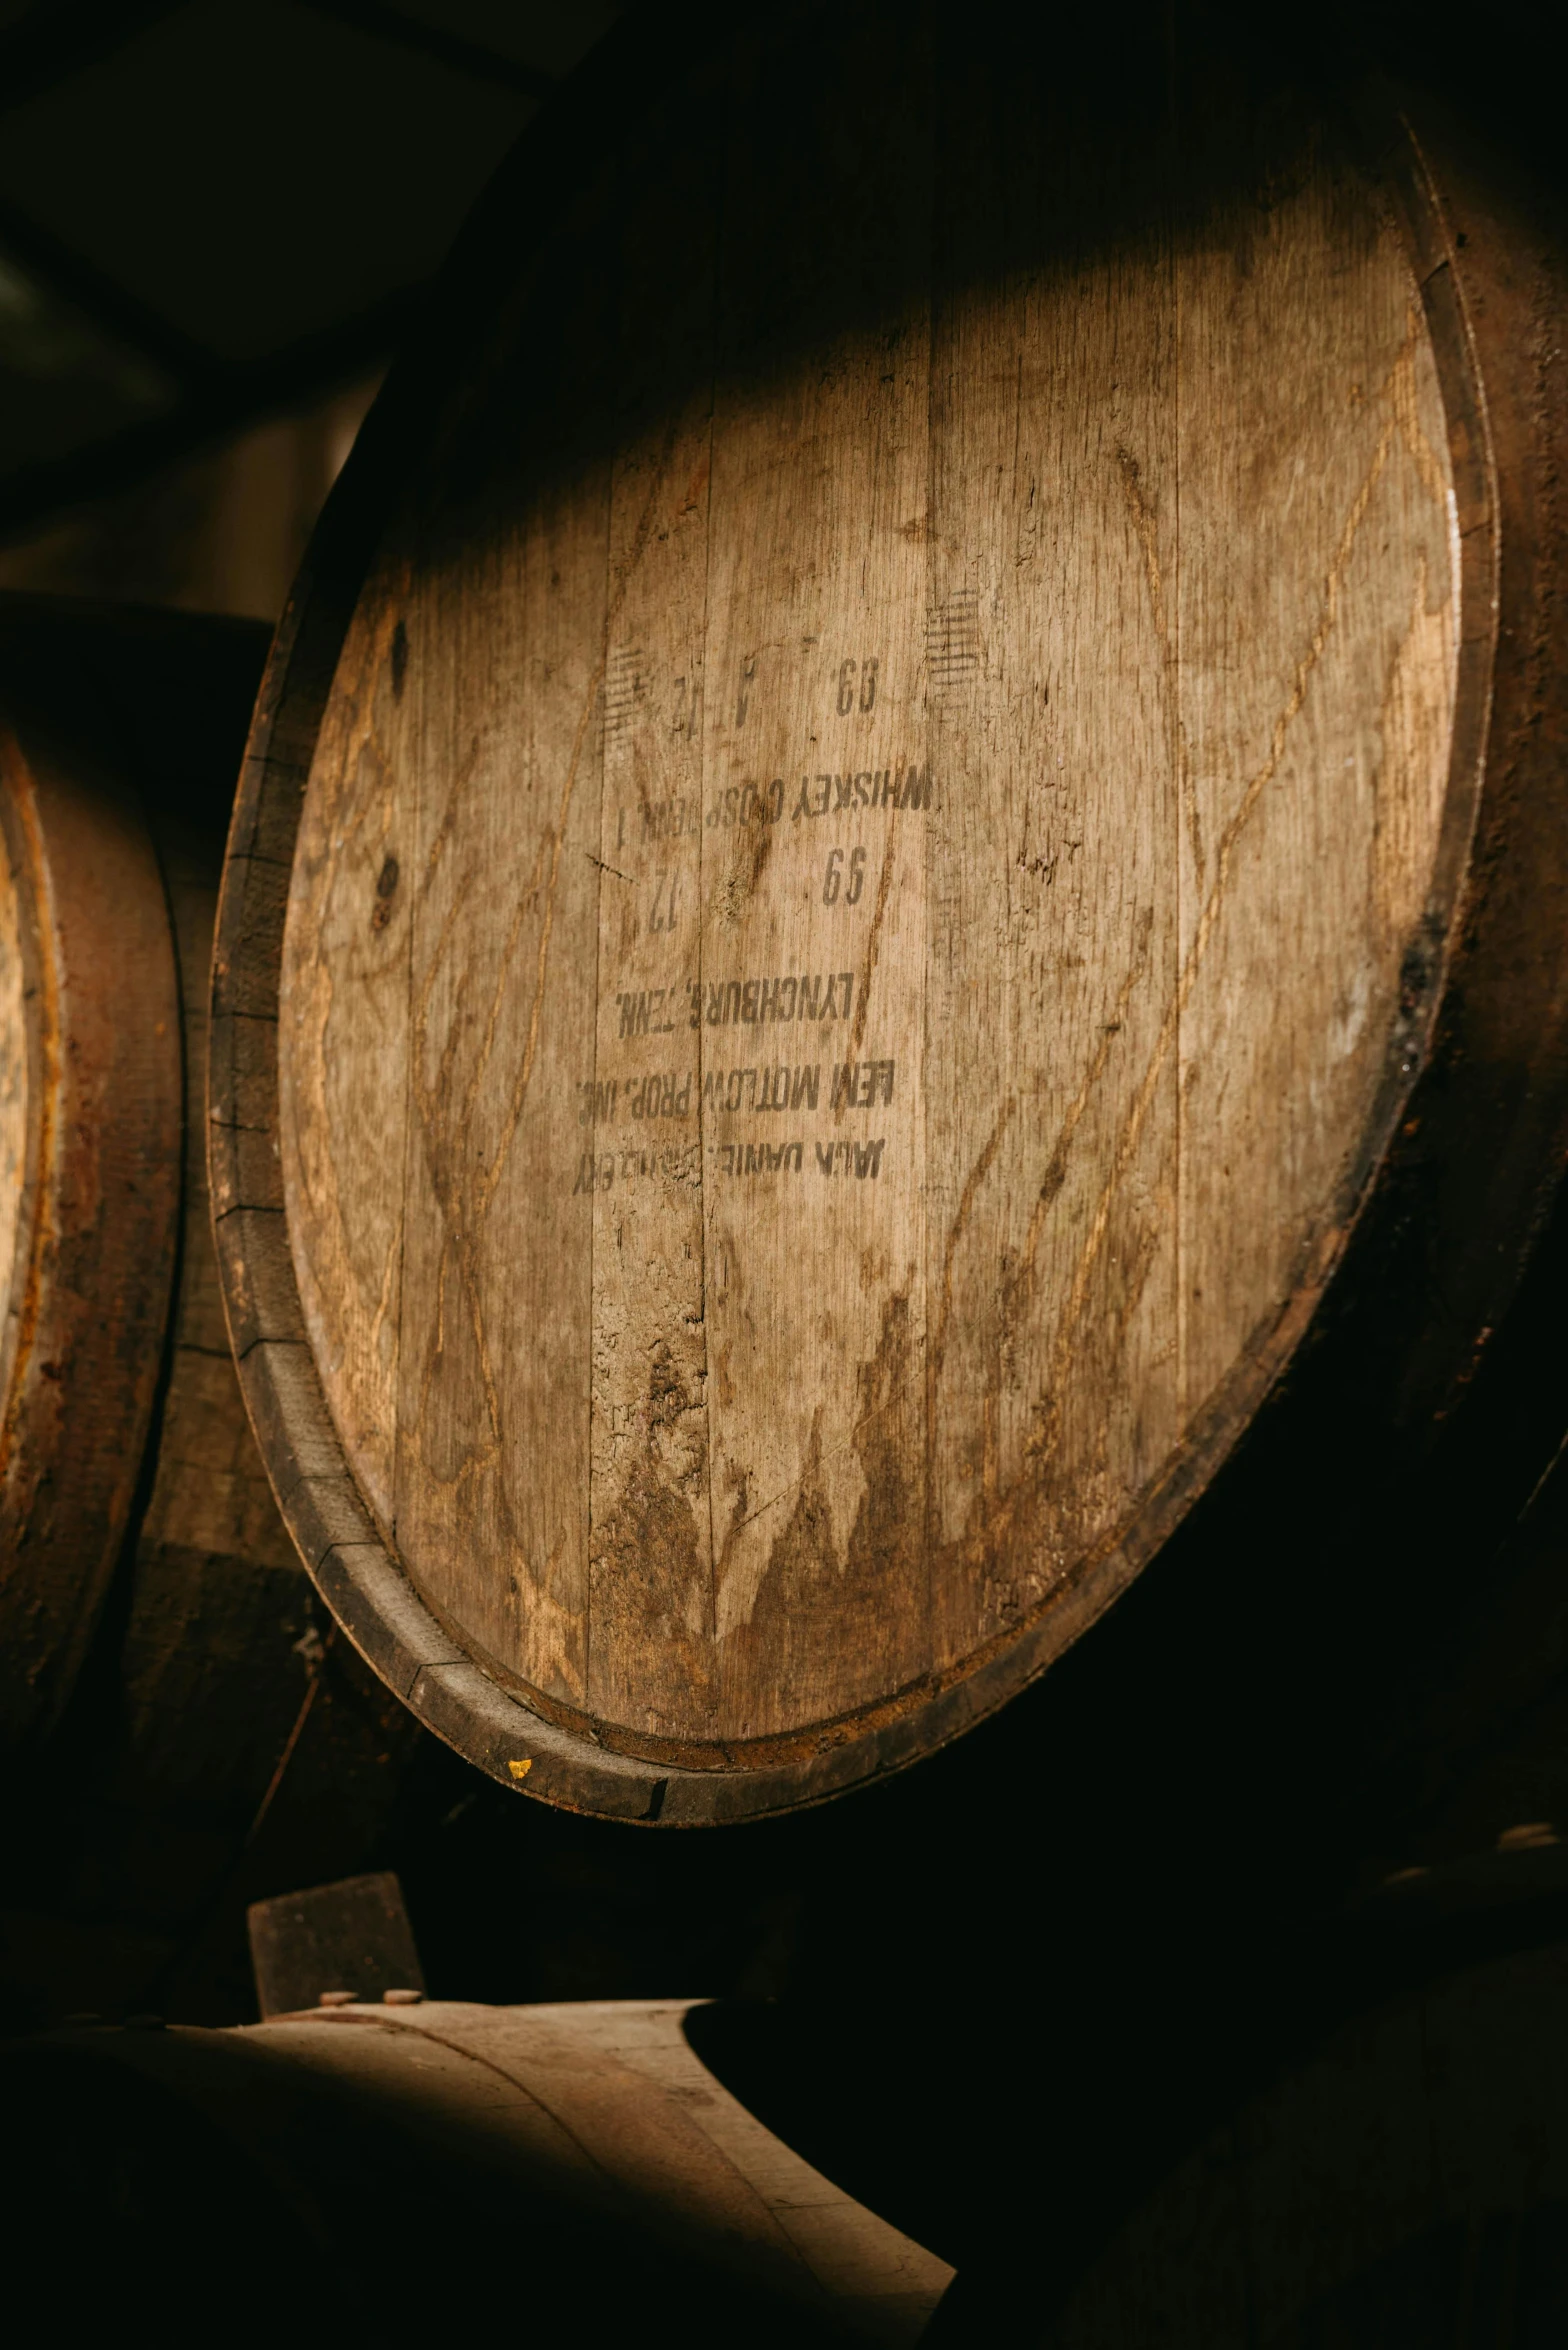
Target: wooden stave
1422,1174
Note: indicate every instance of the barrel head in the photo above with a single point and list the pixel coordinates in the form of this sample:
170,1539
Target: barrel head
849,863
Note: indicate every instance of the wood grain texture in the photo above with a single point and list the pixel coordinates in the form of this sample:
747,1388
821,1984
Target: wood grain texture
605,2102
15,1128
91,1052
128,728
939,736
584,2154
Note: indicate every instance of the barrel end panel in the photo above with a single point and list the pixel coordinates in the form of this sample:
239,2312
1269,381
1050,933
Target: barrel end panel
761,1460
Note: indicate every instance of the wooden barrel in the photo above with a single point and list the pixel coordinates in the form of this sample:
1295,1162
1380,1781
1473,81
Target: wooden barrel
903,827
583,2152
208,1726
1402,2179
91,1124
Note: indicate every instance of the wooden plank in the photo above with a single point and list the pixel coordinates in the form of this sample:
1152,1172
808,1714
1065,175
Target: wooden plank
813,903
1311,408
822,1321
15,1153
343,1062
506,636
1052,942
92,1255
639,1111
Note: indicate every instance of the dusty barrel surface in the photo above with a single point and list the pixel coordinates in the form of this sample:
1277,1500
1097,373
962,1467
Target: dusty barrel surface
865,847
584,2149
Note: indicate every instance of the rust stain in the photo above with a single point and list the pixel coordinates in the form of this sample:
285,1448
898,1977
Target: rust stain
351,741
530,1050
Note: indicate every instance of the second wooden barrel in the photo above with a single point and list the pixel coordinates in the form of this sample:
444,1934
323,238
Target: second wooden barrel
903,826
91,1131
582,2155
1400,2180
179,1738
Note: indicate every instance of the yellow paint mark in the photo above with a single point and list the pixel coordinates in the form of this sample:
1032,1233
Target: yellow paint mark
520,1770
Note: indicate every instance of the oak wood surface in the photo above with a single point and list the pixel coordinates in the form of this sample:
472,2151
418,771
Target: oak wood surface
215,1605
129,721
606,2100
352,1937
14,1129
854,842
583,2157
90,1162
